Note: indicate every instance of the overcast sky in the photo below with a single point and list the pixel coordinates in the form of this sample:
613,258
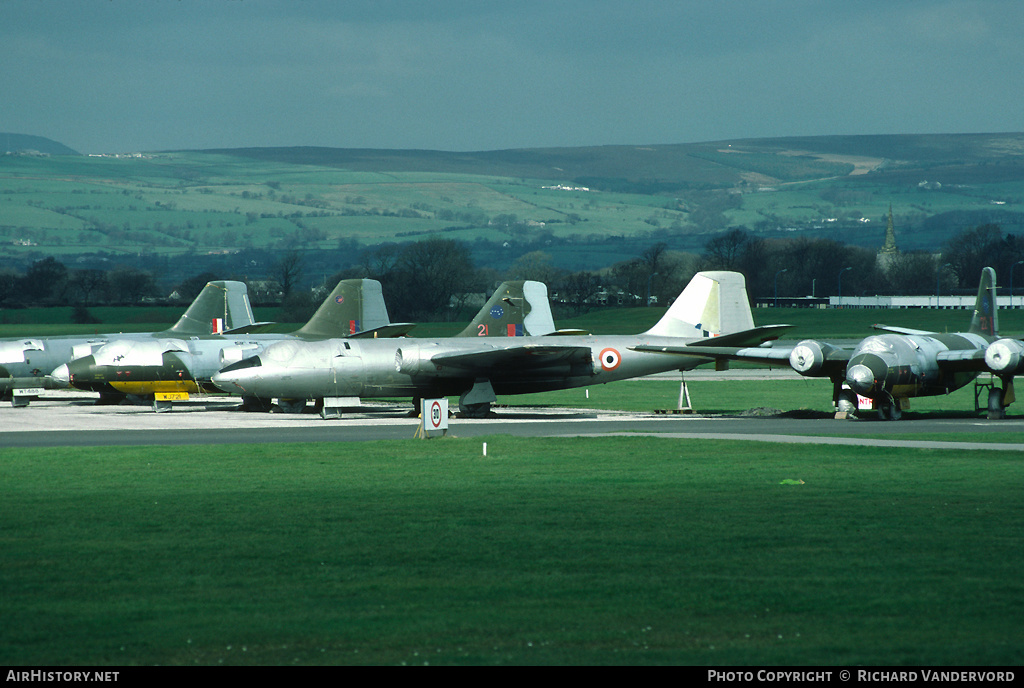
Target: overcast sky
127,75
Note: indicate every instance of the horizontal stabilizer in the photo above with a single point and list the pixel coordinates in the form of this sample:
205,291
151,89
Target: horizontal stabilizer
568,333
758,335
385,331
255,328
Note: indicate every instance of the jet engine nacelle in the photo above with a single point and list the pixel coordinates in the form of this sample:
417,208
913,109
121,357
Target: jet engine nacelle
808,357
412,360
1005,357
234,354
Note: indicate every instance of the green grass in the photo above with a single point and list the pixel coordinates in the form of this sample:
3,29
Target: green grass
808,323
553,551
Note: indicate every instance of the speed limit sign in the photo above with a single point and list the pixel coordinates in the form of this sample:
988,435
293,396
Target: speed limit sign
434,413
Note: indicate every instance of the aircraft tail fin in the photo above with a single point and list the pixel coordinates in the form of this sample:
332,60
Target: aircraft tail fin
986,316
221,305
515,309
713,303
355,305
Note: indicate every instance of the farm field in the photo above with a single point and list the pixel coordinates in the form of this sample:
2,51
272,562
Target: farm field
584,206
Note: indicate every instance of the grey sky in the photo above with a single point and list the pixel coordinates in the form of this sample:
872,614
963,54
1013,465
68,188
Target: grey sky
121,75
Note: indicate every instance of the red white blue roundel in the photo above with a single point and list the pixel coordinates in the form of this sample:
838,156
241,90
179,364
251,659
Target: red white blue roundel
610,359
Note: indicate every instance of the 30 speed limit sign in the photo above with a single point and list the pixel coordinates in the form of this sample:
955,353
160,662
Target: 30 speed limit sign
435,416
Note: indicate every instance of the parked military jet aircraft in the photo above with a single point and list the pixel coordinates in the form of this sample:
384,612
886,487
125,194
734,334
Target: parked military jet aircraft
714,303
891,368
171,366
222,306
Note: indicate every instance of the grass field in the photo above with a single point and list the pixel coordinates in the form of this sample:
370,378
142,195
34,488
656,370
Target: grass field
555,551
808,323
545,551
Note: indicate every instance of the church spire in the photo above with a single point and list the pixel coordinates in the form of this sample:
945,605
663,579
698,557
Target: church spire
890,236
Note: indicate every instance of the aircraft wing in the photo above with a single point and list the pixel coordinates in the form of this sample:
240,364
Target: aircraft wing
753,354
520,359
962,360
900,330
833,364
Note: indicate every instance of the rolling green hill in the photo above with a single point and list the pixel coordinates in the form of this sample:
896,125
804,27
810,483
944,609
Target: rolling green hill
587,207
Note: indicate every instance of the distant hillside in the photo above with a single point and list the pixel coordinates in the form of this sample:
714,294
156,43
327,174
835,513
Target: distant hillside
235,211
18,143
670,168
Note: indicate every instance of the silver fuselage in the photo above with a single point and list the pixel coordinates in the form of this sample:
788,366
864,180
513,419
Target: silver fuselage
404,367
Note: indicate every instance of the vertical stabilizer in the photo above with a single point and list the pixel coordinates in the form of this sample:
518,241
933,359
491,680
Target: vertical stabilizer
515,309
223,301
986,317
712,303
355,305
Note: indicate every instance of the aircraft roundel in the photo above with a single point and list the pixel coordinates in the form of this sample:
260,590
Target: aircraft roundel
610,359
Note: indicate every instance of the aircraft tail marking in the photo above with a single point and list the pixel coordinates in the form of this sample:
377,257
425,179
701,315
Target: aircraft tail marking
986,316
713,303
355,305
515,309
223,300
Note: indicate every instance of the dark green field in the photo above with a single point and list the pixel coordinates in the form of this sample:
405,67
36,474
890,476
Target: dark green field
574,551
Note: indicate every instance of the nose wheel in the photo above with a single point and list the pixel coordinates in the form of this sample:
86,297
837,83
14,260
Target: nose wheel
889,409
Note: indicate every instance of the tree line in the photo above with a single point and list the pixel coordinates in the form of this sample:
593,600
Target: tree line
823,267
433,279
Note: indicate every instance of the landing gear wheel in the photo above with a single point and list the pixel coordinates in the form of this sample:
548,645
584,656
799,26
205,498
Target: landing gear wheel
847,402
475,410
291,405
256,404
996,410
890,411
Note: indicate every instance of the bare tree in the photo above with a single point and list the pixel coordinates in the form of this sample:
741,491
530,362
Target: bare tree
287,272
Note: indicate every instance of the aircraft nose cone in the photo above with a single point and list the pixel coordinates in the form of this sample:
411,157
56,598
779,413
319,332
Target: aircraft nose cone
223,381
62,375
861,379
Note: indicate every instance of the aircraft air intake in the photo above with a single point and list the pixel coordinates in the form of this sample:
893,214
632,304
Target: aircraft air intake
808,357
1005,357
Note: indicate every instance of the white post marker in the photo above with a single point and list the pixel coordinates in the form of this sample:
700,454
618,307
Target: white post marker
434,417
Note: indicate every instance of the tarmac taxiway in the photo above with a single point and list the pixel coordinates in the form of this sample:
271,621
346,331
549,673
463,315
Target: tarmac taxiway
72,418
